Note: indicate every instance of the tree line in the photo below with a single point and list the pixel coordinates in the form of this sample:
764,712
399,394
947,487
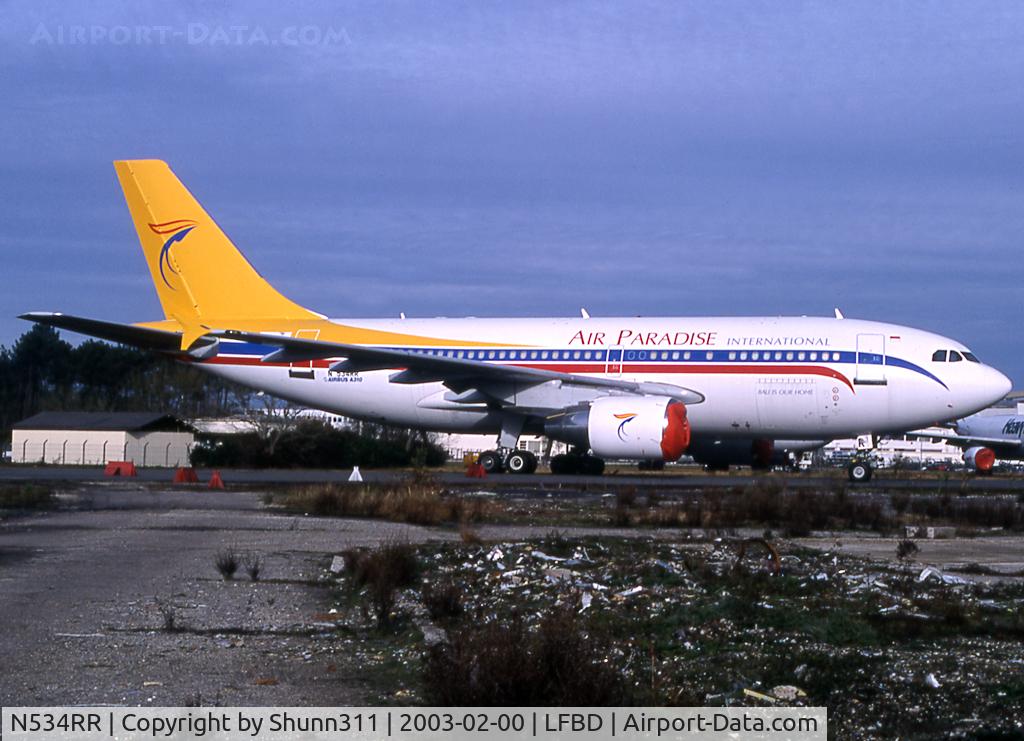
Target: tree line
42,372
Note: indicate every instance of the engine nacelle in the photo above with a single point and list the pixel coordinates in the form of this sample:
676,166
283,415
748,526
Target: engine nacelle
637,427
980,459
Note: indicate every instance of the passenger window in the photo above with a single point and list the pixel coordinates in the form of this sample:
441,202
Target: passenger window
576,355
939,356
778,356
675,355
954,356
743,356
686,356
814,356
835,357
755,356
732,356
789,356
710,355
801,356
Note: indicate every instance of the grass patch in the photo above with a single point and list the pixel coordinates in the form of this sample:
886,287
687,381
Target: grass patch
413,503
26,496
378,574
226,561
561,661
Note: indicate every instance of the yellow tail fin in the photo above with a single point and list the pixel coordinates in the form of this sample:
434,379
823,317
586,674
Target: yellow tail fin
200,276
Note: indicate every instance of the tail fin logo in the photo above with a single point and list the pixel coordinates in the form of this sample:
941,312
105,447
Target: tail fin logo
626,419
176,231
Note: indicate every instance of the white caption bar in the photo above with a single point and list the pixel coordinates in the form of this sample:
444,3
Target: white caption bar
411,724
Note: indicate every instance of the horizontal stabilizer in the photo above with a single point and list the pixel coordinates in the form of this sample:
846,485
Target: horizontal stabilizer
147,338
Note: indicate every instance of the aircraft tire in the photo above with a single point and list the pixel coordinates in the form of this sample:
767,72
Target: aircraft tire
565,465
592,466
490,461
519,462
859,472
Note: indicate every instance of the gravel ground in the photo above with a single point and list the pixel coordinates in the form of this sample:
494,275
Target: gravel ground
87,594
79,591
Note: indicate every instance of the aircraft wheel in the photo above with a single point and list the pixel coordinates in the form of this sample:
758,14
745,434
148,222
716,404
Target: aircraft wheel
490,461
859,472
564,465
520,462
592,466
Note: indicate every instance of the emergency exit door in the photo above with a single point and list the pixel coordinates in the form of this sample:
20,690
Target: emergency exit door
870,360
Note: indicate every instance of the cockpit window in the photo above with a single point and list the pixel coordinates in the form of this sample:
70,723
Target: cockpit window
954,356
971,356
939,356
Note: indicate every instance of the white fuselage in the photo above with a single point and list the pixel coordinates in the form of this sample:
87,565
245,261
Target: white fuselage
804,378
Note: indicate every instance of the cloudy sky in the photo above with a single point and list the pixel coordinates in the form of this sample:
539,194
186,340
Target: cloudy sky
529,158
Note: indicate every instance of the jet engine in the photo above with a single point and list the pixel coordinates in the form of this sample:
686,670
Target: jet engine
980,459
638,427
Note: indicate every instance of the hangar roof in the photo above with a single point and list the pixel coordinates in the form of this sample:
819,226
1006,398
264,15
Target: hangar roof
103,421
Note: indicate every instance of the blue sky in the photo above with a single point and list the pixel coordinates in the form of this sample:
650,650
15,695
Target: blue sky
494,158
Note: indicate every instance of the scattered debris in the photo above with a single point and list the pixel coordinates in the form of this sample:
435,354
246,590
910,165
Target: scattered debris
787,693
759,696
931,572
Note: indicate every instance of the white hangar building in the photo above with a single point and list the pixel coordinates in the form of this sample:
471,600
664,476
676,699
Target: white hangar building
94,438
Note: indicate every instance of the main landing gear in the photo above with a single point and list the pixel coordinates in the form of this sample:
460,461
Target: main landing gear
513,461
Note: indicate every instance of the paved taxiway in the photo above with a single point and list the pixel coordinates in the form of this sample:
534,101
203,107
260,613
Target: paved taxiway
686,479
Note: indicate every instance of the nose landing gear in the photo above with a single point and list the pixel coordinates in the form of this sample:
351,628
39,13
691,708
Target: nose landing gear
859,471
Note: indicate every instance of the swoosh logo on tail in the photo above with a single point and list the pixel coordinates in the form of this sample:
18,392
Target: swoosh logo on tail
178,230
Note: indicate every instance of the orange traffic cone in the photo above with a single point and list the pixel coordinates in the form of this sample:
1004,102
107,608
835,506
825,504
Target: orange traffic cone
186,475
216,482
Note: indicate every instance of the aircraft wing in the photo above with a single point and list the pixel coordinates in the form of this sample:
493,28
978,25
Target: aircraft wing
458,374
965,441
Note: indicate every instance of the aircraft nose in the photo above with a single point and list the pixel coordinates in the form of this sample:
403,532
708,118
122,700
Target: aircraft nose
979,389
994,384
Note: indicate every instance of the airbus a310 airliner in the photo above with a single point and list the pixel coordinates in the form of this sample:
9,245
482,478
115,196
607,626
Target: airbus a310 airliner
726,390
